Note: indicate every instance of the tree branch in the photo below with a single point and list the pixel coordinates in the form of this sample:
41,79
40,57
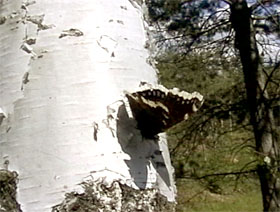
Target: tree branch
271,15
269,77
223,174
227,2
258,3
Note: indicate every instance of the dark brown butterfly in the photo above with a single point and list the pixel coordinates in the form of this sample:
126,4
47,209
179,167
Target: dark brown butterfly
157,109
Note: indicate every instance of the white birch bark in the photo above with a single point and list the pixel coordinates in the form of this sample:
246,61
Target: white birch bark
63,67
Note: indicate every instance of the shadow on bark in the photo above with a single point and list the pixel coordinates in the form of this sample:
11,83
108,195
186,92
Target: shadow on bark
143,152
115,196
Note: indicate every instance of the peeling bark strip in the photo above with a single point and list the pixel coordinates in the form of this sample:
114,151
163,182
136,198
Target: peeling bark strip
156,109
114,197
38,20
27,48
8,186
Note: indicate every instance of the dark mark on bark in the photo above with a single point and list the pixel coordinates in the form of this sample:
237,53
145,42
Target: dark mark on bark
124,7
2,20
95,130
120,22
71,32
31,41
25,79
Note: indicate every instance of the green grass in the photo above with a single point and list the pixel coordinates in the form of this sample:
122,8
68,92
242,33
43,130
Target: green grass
193,197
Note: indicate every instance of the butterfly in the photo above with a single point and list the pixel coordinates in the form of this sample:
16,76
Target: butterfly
157,108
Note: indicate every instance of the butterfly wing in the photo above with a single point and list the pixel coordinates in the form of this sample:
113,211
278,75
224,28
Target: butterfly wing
158,109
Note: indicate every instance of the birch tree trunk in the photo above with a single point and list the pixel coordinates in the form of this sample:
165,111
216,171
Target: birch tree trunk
63,68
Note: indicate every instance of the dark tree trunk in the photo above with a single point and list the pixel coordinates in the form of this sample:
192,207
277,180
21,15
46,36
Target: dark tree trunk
259,105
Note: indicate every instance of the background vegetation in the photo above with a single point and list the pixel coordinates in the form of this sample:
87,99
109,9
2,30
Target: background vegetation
224,49
213,151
